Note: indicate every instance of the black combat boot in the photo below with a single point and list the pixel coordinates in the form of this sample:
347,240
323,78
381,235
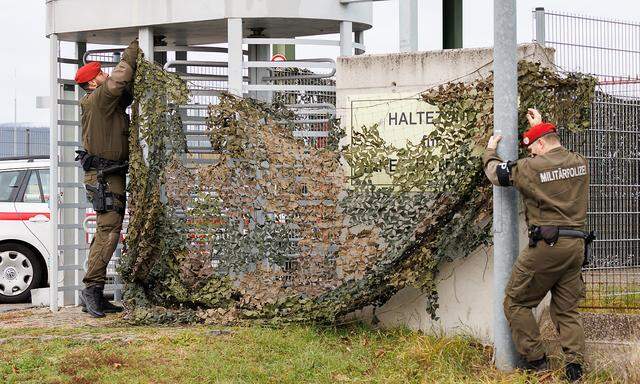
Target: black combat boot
92,298
107,307
539,365
573,372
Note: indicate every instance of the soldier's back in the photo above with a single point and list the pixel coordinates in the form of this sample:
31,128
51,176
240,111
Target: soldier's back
555,188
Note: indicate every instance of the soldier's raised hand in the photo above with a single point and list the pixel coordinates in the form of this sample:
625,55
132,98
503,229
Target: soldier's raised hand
493,141
533,117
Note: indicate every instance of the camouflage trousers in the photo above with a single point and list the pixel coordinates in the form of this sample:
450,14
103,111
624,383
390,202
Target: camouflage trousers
108,227
537,271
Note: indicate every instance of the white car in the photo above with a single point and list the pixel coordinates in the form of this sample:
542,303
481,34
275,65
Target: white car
25,230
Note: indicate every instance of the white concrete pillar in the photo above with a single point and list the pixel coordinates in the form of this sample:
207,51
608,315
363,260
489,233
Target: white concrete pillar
346,38
235,69
408,22
145,40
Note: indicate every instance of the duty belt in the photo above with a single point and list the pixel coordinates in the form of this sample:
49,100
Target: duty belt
103,200
550,235
100,164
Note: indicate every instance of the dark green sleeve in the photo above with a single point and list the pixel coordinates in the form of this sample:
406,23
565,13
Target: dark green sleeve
119,80
490,161
522,175
520,172
130,54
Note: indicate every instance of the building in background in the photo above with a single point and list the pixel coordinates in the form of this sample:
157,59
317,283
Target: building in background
23,139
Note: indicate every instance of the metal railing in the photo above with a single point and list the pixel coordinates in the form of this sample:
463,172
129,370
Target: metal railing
306,86
609,50
23,141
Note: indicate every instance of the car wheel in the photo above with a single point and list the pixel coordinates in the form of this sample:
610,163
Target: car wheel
20,271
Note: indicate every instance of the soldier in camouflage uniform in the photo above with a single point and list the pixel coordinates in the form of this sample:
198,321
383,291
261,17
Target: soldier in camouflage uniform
105,125
554,185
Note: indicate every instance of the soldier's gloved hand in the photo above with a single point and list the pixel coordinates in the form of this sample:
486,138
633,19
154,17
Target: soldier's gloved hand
533,117
493,142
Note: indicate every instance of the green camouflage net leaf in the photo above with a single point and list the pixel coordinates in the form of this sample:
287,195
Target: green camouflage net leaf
269,228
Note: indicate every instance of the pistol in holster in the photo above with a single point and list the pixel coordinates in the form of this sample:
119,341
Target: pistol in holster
102,199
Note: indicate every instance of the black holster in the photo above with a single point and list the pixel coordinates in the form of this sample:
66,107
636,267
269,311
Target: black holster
591,236
548,233
103,200
551,233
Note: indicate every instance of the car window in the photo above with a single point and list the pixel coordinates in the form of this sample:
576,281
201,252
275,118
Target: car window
9,182
32,193
44,181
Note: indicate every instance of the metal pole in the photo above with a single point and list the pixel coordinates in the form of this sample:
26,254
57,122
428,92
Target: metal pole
451,24
346,38
540,37
236,68
53,179
505,210
259,52
15,97
28,140
408,20
79,255
359,38
288,50
15,140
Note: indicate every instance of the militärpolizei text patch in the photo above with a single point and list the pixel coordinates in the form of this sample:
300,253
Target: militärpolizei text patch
563,173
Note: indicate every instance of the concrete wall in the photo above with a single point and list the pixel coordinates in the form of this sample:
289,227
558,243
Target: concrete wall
413,73
464,285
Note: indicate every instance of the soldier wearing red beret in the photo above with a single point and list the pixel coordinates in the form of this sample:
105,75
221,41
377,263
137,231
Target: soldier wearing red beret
105,127
554,185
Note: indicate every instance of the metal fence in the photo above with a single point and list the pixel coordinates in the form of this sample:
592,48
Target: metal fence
23,140
609,50
314,109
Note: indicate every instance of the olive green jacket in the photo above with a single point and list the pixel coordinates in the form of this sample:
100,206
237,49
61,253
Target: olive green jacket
554,186
105,123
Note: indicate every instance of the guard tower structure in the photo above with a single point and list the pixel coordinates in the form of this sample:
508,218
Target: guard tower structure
237,34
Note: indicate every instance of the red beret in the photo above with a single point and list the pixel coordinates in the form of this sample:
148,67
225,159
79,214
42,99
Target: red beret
88,72
536,132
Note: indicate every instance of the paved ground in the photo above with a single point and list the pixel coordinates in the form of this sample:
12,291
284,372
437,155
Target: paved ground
613,342
67,317
13,307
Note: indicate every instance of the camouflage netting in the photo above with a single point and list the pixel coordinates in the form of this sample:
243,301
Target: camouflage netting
272,229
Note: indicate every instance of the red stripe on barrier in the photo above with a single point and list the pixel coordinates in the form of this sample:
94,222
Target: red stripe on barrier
21,216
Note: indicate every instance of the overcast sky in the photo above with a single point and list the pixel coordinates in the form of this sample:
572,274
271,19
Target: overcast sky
25,49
